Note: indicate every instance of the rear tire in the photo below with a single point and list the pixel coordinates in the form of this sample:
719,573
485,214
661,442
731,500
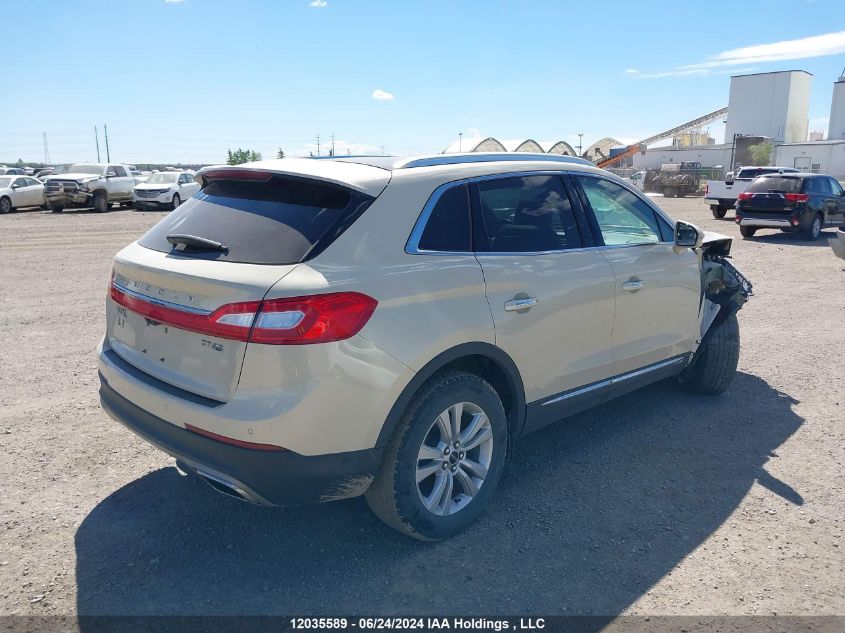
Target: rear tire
56,208
175,202
747,231
411,504
715,362
669,192
718,211
812,233
5,205
101,203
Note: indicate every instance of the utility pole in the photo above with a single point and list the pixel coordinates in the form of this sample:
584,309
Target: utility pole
318,145
460,141
46,150
106,134
579,143
332,143
97,141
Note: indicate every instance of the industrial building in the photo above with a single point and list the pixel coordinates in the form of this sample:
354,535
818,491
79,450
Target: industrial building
770,107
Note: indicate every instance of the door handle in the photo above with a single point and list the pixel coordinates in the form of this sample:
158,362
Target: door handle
514,305
632,285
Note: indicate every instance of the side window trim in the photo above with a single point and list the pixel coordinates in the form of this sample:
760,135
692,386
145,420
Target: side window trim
412,246
658,212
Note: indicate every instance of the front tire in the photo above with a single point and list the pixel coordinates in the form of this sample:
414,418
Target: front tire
715,362
5,205
444,460
175,202
718,211
101,203
747,231
56,208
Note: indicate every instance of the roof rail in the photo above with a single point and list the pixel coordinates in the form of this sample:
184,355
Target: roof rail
492,157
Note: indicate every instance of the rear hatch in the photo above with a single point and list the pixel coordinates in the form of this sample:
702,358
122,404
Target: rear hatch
773,194
184,297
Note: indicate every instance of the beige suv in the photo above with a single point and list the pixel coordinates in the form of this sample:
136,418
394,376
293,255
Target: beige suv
310,330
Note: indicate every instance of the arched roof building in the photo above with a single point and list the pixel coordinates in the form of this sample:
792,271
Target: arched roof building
563,148
601,148
491,144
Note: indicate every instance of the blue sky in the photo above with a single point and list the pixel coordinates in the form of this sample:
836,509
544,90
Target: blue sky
185,80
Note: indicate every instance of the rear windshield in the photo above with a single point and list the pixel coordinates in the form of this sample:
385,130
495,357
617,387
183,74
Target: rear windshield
281,221
783,184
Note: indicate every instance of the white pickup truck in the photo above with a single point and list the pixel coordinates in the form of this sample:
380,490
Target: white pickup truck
96,185
722,196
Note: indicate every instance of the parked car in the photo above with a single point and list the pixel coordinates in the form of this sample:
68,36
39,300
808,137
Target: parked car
310,330
791,202
837,244
96,185
11,171
164,190
17,192
722,196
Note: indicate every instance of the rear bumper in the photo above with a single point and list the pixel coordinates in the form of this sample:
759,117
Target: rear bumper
763,223
279,478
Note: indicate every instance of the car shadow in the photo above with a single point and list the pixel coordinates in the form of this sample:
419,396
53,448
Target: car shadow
793,239
592,512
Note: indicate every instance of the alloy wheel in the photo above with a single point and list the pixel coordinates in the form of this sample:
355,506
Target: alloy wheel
454,458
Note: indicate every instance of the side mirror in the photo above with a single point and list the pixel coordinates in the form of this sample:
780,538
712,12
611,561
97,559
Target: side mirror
110,174
15,186
688,235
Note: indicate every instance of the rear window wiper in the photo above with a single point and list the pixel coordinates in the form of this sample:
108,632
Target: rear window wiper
181,242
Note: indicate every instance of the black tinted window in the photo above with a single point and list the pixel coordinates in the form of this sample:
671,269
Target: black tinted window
280,221
447,228
118,170
775,184
528,214
816,185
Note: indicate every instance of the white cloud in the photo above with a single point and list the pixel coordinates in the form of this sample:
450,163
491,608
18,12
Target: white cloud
318,4
785,50
632,71
174,1
381,95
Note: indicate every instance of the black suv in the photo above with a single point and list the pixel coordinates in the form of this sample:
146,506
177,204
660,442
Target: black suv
791,203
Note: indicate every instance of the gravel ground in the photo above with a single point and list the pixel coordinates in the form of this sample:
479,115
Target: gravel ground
657,503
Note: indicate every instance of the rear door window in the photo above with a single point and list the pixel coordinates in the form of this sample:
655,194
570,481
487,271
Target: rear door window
835,187
448,226
282,220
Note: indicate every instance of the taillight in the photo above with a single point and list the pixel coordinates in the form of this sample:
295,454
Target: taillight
797,197
291,321
313,319
745,196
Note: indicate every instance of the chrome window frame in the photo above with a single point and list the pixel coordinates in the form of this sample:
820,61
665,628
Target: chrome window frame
412,244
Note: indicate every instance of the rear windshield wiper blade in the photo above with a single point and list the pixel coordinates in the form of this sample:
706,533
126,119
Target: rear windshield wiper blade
181,241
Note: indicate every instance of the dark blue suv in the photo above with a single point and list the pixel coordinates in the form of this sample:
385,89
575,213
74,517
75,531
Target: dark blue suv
791,203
